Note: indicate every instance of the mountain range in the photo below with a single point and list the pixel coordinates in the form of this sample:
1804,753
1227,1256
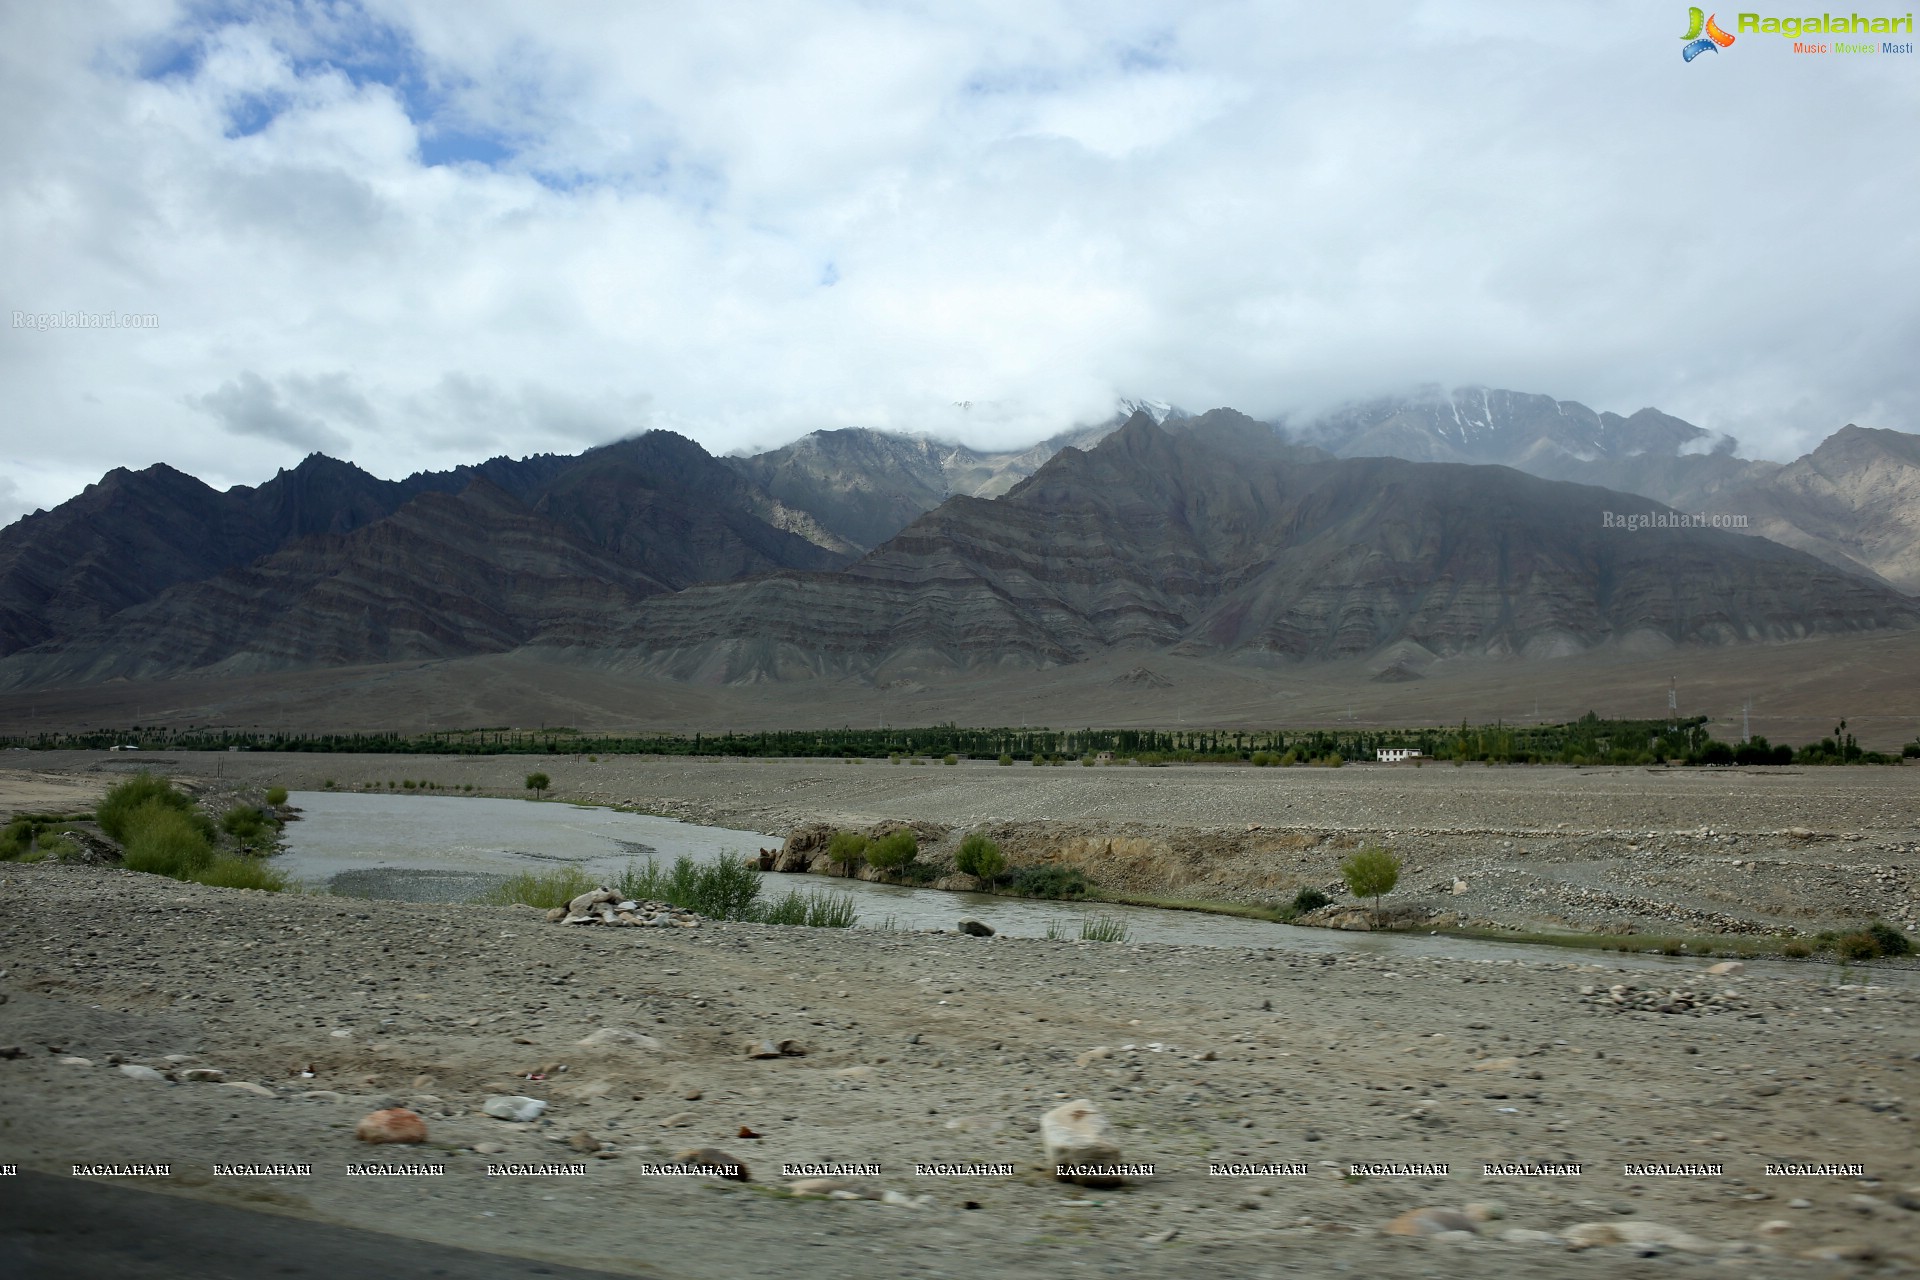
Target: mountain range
1405,528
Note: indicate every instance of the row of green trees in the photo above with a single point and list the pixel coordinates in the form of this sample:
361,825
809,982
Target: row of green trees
1588,740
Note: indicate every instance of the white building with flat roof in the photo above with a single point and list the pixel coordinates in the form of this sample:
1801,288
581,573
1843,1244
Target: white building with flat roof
1397,755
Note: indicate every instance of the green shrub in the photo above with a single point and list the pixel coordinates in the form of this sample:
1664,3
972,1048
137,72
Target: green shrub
277,796
1005,759
119,804
814,909
848,848
328,785
950,758
1051,882
1796,950
722,890
165,841
543,889
1087,761
1103,929
408,784
1262,759
1038,758
894,850
1857,946
980,857
1310,899
246,824
536,783
229,872
16,841
60,848
1890,939
1370,873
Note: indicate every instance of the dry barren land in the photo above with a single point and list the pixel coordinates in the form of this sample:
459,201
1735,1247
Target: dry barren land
261,1028
306,1013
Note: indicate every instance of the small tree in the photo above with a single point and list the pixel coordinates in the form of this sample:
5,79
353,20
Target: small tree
277,796
1371,873
893,850
536,783
980,857
848,848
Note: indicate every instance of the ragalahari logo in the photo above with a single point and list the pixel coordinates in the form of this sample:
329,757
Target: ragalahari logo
1712,41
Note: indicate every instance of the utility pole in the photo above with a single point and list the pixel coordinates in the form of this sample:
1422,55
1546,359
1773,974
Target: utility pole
1746,709
1673,695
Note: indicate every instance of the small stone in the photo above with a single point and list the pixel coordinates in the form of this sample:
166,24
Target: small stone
341,1033
1590,1235
1521,1235
975,928
762,1048
1486,1211
135,1072
620,1036
1799,1202
1775,1226
395,1124
584,1141
323,1095
679,1120
76,1062
517,1109
1431,1222
1726,968
1160,1237
196,1074
489,1148
1093,1055
710,1156
248,1086
556,915
1080,1143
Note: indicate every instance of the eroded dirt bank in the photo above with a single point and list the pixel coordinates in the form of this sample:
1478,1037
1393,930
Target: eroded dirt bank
939,1047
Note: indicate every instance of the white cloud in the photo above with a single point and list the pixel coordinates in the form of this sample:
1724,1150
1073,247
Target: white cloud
855,214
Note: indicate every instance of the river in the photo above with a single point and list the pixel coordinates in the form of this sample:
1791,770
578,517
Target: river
451,848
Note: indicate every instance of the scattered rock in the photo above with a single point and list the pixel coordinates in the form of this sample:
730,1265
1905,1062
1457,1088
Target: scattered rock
490,1148
586,1142
76,1062
976,929
196,1074
1431,1222
1081,1145
1093,1055
395,1124
248,1086
679,1120
1726,968
1775,1227
517,1109
323,1095
765,1048
609,1036
136,1072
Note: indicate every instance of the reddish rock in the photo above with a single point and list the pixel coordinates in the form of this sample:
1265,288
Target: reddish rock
395,1124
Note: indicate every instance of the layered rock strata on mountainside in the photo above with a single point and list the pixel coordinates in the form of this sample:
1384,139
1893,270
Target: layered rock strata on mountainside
1218,537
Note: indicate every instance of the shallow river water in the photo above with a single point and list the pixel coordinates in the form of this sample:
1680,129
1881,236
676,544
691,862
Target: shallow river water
450,848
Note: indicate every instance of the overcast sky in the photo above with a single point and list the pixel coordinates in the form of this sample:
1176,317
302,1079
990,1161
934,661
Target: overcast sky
414,233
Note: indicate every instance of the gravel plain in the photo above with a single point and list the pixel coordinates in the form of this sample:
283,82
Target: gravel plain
312,1011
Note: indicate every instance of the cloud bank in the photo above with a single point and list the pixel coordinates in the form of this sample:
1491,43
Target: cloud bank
414,233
